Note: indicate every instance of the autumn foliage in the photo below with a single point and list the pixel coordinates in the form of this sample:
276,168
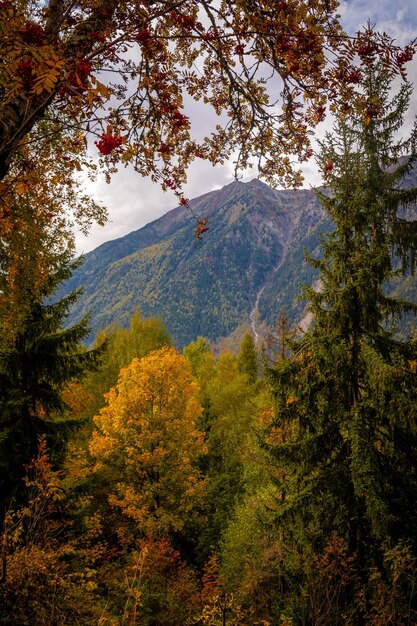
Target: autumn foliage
56,93
147,435
197,492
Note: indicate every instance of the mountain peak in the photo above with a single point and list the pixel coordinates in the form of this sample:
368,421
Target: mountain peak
207,287
255,182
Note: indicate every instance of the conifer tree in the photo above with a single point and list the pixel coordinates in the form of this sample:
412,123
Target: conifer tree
248,358
33,370
344,439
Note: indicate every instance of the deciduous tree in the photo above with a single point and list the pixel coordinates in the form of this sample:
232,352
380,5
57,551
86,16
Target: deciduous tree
41,582
123,345
119,74
229,419
147,435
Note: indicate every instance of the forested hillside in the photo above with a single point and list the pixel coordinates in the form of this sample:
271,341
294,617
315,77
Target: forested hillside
206,287
250,264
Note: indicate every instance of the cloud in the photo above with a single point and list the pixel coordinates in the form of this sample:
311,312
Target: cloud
133,201
396,17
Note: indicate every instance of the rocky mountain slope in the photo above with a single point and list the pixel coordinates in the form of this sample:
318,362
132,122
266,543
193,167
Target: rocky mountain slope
248,266
210,287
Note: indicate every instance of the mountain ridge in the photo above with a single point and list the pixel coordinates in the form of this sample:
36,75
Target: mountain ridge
248,266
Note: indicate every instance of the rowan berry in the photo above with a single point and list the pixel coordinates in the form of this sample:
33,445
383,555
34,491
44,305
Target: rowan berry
108,143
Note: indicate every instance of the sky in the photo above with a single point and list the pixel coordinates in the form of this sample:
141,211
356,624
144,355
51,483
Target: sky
132,201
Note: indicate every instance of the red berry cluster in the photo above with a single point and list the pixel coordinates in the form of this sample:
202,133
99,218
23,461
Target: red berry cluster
348,75
308,44
83,70
164,149
170,184
179,120
25,71
167,107
143,36
211,35
366,51
146,40
77,79
33,34
184,21
240,49
321,113
328,167
354,75
108,143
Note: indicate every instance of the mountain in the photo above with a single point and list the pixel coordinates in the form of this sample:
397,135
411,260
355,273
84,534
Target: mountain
208,287
248,266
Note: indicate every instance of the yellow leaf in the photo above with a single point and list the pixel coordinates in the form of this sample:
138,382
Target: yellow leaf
22,187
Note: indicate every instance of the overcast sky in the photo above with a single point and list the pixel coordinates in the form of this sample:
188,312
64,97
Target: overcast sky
133,201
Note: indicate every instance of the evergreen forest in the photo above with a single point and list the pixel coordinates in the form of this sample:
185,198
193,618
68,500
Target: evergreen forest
141,485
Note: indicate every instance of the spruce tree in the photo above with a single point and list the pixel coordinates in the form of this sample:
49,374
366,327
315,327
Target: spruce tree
344,439
34,368
248,358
